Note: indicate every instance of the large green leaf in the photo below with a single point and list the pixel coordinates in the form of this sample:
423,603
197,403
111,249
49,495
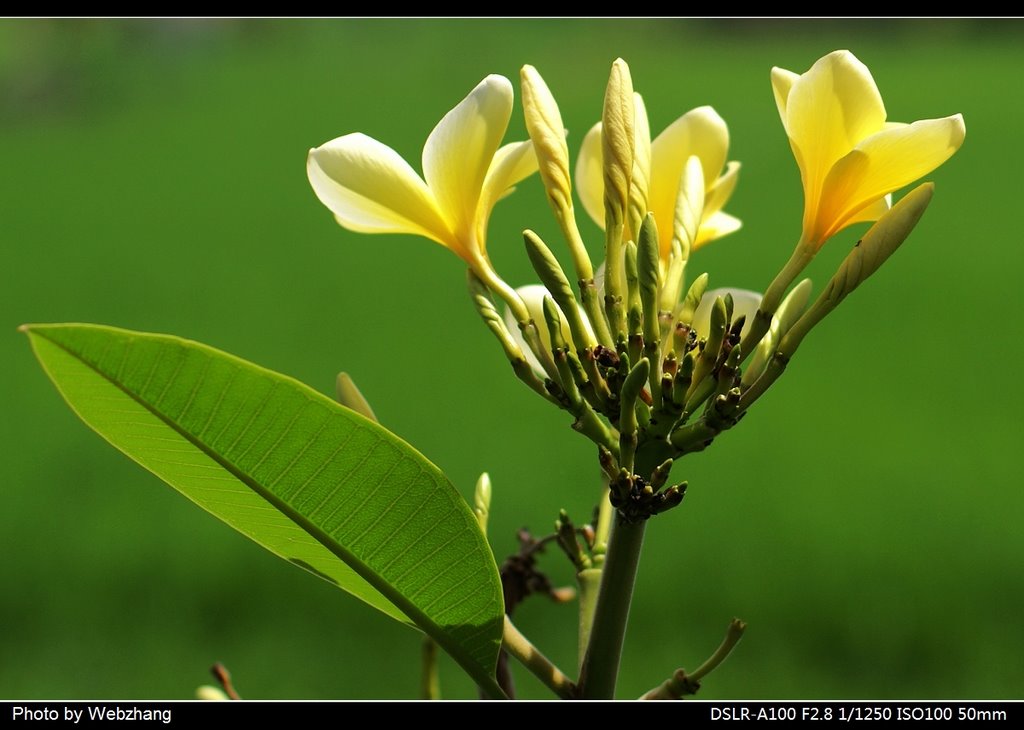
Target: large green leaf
309,480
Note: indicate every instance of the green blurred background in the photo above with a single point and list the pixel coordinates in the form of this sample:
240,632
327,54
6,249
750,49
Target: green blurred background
865,520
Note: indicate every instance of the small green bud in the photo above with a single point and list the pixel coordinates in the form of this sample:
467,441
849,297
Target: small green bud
715,337
647,265
552,276
692,299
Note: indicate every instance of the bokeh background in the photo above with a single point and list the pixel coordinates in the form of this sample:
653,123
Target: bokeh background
865,519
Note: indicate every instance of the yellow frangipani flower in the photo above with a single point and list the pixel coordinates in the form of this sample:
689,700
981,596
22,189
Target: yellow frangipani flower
371,189
850,158
701,133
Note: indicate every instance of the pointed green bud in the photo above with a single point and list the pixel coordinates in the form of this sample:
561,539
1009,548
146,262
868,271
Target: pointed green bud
692,299
666,387
683,380
350,396
716,336
482,501
681,338
793,306
570,373
660,474
552,276
631,389
719,321
634,310
877,245
722,412
734,358
647,264
628,405
670,498
788,313
553,320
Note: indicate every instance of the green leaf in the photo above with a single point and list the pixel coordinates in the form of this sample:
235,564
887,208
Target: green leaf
309,480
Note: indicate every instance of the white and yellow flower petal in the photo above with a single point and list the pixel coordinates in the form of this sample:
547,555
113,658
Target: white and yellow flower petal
700,132
716,226
689,210
720,192
370,189
459,152
883,163
850,157
590,175
828,111
512,163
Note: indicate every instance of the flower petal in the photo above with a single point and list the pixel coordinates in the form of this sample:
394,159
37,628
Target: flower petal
590,175
782,83
883,163
512,162
688,212
371,189
459,151
715,226
718,195
872,212
699,132
828,111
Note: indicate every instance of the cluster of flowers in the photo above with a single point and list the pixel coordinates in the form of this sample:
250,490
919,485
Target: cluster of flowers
638,345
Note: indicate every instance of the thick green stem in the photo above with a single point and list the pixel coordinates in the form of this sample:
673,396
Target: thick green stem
604,650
